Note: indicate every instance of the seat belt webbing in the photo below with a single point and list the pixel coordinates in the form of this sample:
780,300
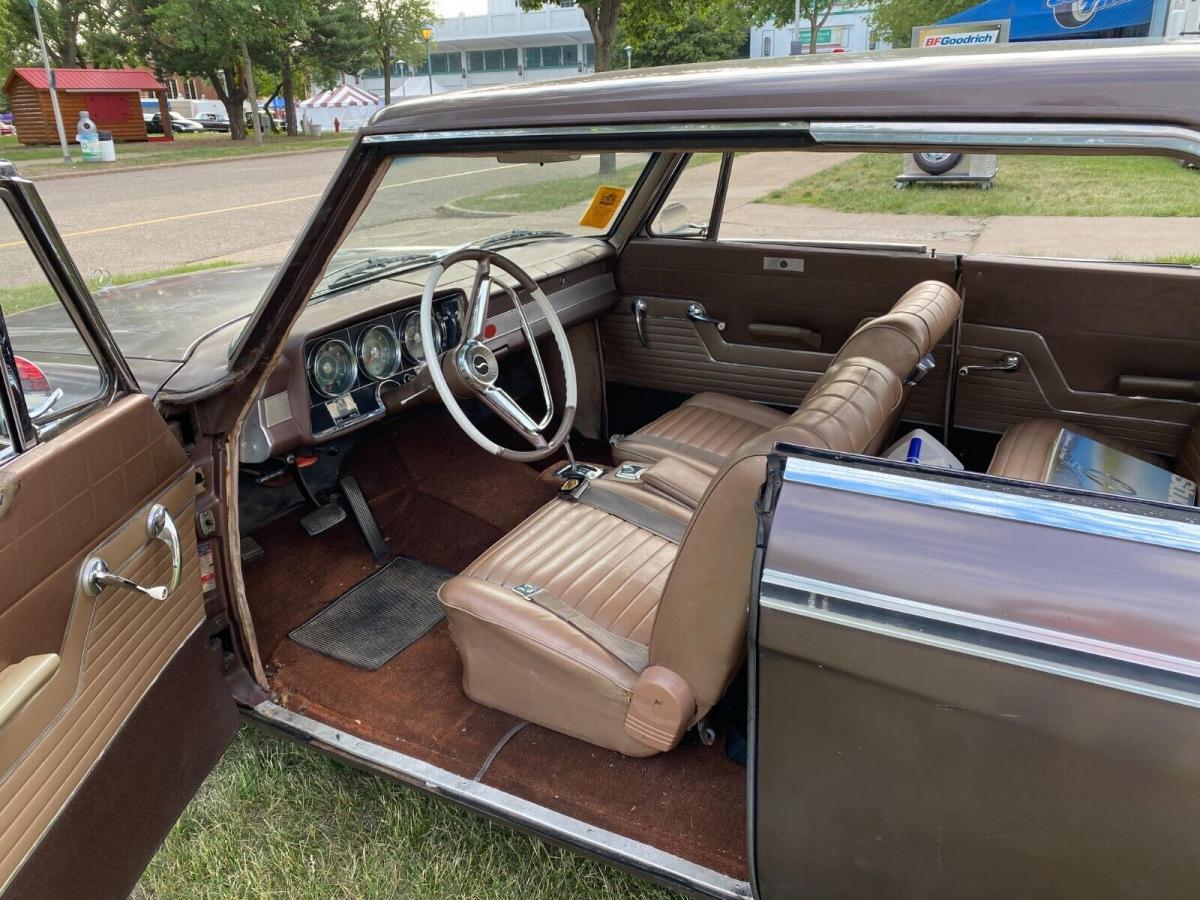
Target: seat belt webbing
628,651
624,507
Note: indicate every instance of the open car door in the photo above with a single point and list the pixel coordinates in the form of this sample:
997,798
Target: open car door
972,687
113,706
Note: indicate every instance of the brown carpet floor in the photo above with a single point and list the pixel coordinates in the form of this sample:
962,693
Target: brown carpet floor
440,499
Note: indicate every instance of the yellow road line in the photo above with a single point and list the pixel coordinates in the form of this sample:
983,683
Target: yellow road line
87,232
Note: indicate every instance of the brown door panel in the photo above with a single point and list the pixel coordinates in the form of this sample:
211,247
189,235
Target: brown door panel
86,493
1099,320
832,293
780,328
993,400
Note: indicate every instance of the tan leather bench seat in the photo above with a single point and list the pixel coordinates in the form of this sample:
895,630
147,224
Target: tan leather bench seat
1024,451
673,582
709,427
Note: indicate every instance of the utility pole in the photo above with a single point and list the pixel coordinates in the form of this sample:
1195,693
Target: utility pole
62,132
427,35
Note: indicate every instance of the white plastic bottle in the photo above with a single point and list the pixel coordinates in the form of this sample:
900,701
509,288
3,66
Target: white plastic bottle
88,136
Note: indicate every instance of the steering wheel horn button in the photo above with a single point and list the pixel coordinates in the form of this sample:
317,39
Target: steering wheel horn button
478,365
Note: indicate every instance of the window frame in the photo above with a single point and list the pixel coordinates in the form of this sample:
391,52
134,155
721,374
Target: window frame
33,223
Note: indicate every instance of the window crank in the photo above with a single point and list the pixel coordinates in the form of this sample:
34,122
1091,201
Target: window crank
159,527
1009,362
696,313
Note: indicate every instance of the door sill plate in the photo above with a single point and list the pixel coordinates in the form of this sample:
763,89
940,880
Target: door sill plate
642,858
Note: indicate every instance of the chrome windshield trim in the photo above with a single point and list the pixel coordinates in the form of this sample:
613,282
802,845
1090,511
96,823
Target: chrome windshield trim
1003,501
1031,136
581,133
482,798
1162,678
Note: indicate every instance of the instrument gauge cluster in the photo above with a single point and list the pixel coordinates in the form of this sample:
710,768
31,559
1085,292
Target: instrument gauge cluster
348,368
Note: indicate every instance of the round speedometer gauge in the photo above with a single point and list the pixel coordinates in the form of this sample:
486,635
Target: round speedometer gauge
332,368
413,345
379,352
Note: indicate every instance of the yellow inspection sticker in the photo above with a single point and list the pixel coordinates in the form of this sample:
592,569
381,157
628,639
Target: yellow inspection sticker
605,203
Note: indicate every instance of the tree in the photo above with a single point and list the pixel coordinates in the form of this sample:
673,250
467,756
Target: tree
894,20
396,33
682,32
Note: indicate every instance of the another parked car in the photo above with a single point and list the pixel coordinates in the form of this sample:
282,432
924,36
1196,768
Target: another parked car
7,128
212,121
179,123
733,640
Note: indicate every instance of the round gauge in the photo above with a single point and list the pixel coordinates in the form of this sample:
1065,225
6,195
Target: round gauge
379,352
332,368
412,336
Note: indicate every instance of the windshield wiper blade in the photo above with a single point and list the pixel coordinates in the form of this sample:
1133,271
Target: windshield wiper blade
517,234
371,267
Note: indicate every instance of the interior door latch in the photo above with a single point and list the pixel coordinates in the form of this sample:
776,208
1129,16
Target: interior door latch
639,319
1009,362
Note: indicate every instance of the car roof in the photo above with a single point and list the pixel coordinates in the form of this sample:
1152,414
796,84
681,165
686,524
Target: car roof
1151,81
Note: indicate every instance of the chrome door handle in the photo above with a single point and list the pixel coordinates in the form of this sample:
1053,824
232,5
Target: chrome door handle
696,313
639,319
159,527
1010,362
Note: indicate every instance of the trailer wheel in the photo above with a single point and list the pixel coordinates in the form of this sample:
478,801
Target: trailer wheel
936,163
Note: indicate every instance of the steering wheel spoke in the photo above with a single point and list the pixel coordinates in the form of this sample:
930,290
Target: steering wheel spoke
477,302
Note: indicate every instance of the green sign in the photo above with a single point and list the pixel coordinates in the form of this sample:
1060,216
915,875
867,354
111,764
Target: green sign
824,36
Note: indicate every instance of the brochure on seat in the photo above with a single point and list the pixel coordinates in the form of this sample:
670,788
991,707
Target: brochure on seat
1080,462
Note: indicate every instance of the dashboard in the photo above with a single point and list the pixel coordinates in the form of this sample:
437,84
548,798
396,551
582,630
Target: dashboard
348,369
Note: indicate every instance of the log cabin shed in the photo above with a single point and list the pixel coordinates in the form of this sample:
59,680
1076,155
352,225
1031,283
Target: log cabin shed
112,97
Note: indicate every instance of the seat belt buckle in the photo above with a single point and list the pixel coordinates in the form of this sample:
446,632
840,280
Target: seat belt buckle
526,590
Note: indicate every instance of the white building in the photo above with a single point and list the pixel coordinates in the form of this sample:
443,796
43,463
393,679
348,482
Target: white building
482,42
846,29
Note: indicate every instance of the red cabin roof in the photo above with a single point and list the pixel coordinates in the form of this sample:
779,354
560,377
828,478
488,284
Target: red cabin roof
94,80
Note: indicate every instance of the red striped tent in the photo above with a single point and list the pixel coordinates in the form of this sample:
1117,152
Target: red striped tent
351,106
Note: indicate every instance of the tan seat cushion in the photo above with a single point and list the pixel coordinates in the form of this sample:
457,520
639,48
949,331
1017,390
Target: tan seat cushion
704,431
1024,451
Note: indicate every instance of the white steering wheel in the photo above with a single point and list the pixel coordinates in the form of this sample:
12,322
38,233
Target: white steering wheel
470,369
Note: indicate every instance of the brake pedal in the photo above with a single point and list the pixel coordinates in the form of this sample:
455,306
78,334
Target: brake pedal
323,518
366,522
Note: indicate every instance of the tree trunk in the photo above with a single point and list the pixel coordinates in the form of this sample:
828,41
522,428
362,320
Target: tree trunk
289,96
231,96
386,58
602,21
251,93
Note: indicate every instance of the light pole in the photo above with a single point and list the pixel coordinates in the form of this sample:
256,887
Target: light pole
62,133
628,57
427,35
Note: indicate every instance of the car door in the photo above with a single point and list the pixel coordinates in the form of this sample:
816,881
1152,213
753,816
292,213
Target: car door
971,688
757,308
113,706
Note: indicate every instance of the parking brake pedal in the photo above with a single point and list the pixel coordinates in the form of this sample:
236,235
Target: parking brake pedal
366,522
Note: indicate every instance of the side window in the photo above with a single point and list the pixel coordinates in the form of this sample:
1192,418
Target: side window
57,374
1116,208
688,207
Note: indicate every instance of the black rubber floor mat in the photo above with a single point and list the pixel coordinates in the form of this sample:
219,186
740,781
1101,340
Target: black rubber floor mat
378,617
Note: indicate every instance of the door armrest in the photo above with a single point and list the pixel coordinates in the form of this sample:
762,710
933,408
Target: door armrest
21,680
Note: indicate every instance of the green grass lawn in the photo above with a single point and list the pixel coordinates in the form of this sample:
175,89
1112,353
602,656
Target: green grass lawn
554,193
16,299
277,820
1024,186
185,147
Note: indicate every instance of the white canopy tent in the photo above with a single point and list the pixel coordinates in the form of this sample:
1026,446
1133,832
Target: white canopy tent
351,106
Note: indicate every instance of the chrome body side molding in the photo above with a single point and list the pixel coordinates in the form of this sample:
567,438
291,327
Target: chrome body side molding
623,851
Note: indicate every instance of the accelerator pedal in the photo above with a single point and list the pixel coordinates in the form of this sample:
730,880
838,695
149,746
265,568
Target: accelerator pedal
366,522
323,518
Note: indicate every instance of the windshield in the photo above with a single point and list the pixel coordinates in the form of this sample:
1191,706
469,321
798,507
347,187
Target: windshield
428,205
